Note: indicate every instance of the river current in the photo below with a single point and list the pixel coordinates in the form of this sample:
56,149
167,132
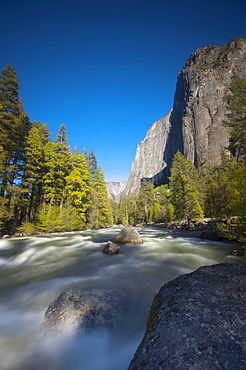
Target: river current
35,270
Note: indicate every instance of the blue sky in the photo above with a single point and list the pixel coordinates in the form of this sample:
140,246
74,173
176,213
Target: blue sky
107,69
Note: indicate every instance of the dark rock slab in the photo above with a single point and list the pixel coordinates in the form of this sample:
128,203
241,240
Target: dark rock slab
128,235
111,248
89,310
197,321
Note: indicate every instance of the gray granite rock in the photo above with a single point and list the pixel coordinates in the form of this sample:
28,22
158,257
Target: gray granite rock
197,321
195,124
128,235
115,189
88,310
111,248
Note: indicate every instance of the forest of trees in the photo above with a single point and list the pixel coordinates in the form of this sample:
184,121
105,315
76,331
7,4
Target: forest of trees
46,187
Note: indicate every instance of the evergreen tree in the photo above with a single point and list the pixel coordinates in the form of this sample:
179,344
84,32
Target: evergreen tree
14,127
128,210
216,189
33,173
236,119
99,212
78,185
235,227
57,164
166,210
145,201
184,189
43,131
91,163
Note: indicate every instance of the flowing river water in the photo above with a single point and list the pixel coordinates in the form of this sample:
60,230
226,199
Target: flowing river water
35,270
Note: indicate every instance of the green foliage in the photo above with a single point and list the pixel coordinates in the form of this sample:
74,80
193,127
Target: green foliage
78,185
184,189
236,228
56,220
166,209
128,210
236,119
99,214
216,189
14,127
28,228
145,202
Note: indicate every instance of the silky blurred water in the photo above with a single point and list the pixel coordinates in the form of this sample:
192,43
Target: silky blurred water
35,270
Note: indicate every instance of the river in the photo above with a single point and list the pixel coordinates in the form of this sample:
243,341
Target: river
35,270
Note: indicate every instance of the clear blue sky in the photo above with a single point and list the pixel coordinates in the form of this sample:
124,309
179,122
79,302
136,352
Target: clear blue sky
107,69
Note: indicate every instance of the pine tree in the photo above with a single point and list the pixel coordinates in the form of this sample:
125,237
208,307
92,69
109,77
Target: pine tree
78,185
166,210
145,200
128,212
99,213
91,163
58,165
216,189
184,189
43,131
33,173
14,127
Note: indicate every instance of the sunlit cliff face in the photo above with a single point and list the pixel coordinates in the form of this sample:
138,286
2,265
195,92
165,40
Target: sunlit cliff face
195,125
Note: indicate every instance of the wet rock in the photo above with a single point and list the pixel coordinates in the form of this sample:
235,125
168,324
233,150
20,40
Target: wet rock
89,310
128,235
240,252
111,248
197,321
211,232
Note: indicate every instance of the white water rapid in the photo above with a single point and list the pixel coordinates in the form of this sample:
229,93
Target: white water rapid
35,270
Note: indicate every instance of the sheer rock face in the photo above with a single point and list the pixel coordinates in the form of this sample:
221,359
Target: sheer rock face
115,189
149,162
195,126
204,81
197,321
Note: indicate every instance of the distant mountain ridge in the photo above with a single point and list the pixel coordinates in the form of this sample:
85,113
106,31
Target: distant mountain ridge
115,189
195,124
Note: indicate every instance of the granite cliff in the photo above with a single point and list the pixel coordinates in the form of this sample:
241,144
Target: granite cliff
195,124
115,189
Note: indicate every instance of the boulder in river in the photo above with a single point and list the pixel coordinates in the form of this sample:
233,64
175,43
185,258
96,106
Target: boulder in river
211,232
128,235
240,251
197,321
89,310
111,248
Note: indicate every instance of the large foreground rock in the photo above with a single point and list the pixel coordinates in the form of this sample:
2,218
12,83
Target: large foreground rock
128,235
197,321
90,310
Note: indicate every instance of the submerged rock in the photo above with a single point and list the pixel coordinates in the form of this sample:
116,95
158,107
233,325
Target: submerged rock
197,321
128,235
90,310
111,248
